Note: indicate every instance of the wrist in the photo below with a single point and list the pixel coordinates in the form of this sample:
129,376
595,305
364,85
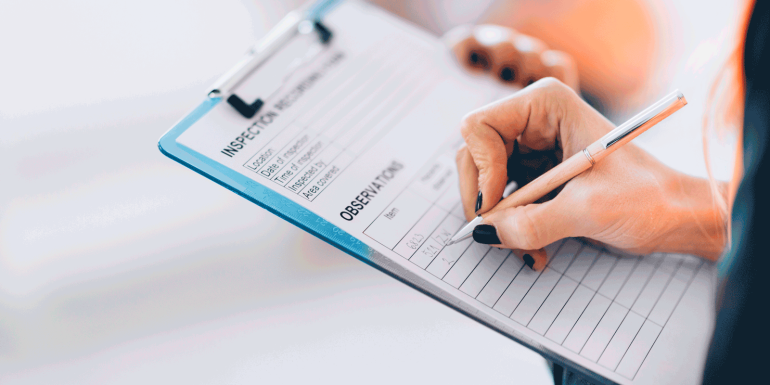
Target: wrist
697,223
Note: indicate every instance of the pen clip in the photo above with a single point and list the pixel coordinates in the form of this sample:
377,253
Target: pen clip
664,107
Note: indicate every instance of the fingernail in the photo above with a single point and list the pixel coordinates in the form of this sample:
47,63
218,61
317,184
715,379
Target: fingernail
528,260
478,59
486,234
478,202
507,74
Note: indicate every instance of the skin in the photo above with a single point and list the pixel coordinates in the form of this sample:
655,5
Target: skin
498,48
629,201
612,42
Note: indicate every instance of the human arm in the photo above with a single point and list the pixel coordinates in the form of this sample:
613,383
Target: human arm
629,200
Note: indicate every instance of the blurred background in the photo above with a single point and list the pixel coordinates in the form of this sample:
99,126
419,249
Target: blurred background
120,266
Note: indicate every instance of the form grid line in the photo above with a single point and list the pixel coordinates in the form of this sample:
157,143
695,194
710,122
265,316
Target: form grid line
494,273
697,270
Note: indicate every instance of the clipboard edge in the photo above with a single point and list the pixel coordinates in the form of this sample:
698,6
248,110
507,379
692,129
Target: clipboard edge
316,226
328,232
251,190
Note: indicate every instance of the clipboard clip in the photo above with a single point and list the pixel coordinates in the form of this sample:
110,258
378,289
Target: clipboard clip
295,23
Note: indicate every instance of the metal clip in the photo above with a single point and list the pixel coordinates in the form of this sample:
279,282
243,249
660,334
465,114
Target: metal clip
292,25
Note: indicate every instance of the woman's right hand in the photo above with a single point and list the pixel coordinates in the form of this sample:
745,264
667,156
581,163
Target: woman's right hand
511,57
629,200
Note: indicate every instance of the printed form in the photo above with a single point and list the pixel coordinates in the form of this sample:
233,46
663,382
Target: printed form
364,135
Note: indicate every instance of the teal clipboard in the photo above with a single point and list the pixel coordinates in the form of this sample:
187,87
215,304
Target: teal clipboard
304,218
253,191
256,192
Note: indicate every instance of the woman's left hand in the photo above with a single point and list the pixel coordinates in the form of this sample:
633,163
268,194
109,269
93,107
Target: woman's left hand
509,56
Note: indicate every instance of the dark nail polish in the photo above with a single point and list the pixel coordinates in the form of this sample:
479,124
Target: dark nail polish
479,60
529,261
478,201
486,234
507,74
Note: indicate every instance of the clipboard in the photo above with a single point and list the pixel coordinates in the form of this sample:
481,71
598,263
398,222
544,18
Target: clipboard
301,21
304,20
308,24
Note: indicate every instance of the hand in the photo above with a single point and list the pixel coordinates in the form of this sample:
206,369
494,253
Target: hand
629,200
511,57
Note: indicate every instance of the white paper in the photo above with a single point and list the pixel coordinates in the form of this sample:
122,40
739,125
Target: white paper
364,135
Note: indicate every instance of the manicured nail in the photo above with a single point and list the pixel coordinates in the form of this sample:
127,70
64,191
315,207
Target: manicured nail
528,260
478,202
479,60
507,74
486,234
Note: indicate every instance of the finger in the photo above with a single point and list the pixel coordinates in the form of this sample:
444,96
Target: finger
533,226
506,63
535,259
505,60
469,176
561,66
469,52
531,66
514,57
533,114
497,44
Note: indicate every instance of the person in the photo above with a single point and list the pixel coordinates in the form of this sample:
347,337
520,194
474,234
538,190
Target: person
629,201
603,204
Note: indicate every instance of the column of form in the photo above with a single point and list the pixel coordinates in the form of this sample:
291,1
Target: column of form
484,271
543,287
463,268
655,286
500,280
636,282
621,340
571,302
516,291
569,314
640,347
586,323
607,308
553,305
583,294
535,296
617,277
674,291
436,244
413,223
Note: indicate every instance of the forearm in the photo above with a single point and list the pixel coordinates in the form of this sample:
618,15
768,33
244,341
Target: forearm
698,222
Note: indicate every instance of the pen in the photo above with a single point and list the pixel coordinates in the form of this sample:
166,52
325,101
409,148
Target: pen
583,160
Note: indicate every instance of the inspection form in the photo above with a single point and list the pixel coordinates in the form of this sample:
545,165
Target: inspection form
363,133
